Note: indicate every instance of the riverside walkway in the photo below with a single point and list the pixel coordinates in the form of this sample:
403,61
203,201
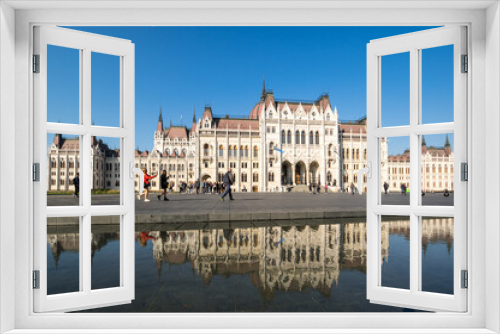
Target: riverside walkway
185,208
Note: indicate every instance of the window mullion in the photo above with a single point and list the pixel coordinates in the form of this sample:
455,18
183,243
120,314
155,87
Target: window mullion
414,168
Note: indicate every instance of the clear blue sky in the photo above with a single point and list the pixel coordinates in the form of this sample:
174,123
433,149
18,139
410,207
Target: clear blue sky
181,68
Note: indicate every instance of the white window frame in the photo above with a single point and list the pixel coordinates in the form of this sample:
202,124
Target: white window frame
85,43
414,43
483,102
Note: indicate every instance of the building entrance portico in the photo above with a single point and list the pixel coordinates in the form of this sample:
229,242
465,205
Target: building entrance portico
314,170
286,173
300,173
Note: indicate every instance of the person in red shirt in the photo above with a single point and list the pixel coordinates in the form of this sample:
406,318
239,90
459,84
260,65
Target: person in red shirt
147,185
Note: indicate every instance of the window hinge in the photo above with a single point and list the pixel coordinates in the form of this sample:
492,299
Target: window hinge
464,171
465,279
36,172
36,63
36,279
465,64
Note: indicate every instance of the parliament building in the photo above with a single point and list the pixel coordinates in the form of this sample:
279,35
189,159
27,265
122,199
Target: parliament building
281,143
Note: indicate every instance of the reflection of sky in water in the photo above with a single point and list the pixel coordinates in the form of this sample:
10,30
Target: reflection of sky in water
317,268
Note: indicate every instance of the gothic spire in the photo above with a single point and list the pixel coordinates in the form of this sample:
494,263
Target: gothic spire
263,94
447,143
423,141
160,122
194,114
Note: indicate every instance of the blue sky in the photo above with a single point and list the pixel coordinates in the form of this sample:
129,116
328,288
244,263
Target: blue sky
182,68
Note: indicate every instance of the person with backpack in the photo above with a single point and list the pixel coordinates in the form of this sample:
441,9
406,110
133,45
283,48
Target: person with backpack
227,180
164,185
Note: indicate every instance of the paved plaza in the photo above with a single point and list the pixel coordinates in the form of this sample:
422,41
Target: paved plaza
250,206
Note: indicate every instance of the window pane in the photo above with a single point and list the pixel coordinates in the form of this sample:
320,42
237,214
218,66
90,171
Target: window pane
105,252
395,252
437,169
395,170
395,89
63,85
437,255
63,255
106,171
105,90
63,170
437,85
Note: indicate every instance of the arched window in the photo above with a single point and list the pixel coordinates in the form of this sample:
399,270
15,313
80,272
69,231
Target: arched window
167,152
364,155
184,152
330,150
230,151
255,152
289,137
241,151
271,148
255,177
235,151
221,151
244,177
271,177
317,138
297,137
311,138
283,138
176,152
246,151
207,124
303,137
206,150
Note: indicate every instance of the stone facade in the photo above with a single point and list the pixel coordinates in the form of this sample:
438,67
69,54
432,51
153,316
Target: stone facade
280,144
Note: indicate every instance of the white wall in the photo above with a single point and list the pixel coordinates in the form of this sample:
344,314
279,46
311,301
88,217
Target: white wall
492,173
7,217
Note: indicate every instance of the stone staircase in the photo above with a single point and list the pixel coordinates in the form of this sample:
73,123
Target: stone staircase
300,188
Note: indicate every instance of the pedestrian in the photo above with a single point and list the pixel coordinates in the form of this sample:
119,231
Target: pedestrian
386,187
403,189
352,188
164,185
227,180
318,188
326,188
76,183
146,185
197,186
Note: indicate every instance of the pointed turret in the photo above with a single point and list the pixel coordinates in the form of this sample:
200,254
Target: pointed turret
160,122
447,146
58,140
193,126
263,94
424,146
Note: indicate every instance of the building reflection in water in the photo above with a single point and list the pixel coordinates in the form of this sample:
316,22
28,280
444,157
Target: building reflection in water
276,258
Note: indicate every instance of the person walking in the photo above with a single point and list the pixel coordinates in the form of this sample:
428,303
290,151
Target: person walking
197,186
164,185
326,188
352,188
403,189
386,187
227,180
146,185
76,183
